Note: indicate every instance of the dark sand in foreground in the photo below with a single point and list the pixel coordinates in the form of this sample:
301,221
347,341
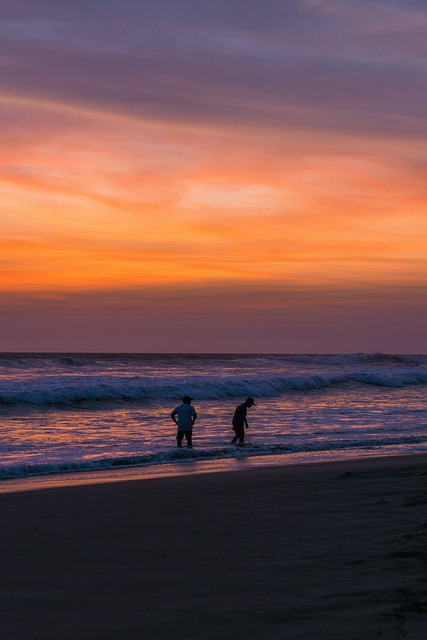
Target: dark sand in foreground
334,551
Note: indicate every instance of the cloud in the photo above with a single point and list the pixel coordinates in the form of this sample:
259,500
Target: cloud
220,159
251,199
323,65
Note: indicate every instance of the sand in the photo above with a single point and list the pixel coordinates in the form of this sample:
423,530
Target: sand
325,551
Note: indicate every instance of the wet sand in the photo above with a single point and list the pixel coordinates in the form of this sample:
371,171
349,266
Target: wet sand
335,551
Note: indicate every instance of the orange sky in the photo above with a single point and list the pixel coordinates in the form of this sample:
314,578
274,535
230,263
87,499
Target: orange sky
241,193
137,203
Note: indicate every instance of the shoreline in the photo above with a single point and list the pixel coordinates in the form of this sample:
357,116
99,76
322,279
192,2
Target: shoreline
40,482
328,549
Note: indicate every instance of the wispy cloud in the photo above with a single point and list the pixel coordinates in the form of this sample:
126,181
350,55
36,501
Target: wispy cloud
262,147
320,64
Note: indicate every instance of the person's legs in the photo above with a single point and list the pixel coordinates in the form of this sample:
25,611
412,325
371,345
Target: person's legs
240,435
188,437
179,437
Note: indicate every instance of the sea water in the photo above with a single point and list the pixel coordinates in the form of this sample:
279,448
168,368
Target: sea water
91,412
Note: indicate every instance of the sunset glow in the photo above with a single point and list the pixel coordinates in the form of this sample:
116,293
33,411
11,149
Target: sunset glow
212,151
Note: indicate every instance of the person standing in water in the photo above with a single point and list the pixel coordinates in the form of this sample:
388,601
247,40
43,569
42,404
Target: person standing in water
240,422
184,416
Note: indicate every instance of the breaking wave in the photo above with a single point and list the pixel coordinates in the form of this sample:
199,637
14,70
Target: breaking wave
185,455
74,390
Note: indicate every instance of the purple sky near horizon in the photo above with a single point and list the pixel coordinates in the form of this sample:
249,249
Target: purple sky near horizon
228,176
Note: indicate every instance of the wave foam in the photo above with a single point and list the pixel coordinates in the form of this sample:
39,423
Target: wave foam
182,455
63,390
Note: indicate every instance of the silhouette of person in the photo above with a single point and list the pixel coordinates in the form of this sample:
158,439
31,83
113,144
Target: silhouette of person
184,416
240,422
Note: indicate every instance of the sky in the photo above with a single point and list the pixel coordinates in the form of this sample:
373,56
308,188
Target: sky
227,176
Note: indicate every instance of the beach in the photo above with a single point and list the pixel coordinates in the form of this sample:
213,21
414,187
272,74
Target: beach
333,550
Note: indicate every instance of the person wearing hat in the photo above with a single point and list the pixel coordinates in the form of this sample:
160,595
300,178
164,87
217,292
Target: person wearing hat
184,416
240,422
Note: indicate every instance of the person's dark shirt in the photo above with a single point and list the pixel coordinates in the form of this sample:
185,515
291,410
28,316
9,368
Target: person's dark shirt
239,418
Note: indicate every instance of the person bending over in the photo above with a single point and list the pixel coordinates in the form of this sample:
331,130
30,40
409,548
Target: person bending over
240,422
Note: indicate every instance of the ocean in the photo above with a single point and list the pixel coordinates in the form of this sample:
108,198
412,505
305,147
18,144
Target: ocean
97,413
